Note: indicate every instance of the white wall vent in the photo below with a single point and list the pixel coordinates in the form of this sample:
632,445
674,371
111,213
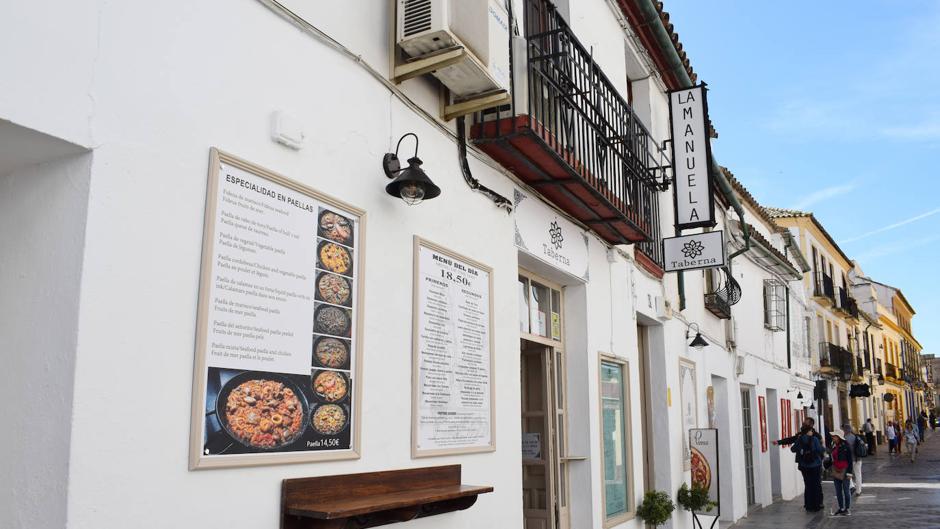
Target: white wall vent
416,16
470,39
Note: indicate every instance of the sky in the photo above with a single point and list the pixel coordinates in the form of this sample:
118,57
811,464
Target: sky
834,107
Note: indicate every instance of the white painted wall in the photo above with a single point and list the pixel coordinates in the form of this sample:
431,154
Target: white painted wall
42,225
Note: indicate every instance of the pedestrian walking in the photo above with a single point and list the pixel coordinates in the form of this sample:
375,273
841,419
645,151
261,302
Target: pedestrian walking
809,456
892,435
911,438
869,430
859,450
933,420
922,424
841,471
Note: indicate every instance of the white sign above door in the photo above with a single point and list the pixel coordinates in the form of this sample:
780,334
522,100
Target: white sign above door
543,233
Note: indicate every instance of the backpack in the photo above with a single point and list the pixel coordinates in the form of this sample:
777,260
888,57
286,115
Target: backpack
807,457
860,448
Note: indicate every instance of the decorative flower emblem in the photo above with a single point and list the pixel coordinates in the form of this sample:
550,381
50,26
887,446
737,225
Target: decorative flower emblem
692,249
557,237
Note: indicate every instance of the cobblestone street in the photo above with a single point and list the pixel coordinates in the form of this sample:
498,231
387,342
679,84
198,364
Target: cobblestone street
895,493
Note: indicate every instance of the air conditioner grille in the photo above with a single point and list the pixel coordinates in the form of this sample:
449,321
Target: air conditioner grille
417,16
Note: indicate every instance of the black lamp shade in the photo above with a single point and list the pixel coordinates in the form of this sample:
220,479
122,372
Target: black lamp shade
413,177
698,342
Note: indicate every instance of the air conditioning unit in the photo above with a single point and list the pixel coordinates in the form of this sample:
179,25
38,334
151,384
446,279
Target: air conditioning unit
731,334
480,28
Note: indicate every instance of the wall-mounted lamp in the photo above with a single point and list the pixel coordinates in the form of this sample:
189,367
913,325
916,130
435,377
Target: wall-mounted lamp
698,342
410,184
799,394
812,406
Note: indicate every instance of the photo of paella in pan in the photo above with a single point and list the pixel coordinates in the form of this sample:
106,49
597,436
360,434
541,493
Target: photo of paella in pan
262,412
331,352
334,289
335,227
331,320
335,258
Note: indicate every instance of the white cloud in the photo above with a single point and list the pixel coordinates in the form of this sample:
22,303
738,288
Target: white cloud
825,193
898,224
892,249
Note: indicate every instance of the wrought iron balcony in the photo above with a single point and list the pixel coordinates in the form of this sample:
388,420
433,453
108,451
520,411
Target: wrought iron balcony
847,303
573,137
891,371
823,288
835,361
717,303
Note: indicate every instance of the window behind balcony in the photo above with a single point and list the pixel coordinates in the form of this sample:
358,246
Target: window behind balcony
775,305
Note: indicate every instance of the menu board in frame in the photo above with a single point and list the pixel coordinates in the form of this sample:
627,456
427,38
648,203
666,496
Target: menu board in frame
277,375
452,357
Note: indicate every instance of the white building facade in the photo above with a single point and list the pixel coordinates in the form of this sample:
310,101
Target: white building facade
109,119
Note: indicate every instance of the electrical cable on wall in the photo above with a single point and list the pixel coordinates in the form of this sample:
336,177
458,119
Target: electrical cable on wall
499,200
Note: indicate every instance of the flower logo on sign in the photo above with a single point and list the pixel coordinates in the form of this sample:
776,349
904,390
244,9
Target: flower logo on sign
692,249
557,237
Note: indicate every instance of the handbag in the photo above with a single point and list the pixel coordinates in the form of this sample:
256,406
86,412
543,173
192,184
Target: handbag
838,473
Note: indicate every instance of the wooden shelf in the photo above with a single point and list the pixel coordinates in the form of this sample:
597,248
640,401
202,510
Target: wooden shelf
357,501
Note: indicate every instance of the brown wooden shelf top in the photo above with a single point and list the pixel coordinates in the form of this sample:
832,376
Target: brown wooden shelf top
333,508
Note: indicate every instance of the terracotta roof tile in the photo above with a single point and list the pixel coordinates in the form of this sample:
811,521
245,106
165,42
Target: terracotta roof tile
749,198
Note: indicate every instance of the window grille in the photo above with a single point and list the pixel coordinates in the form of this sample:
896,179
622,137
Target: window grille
775,305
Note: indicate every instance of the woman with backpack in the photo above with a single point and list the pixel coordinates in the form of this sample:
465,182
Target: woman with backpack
809,454
841,471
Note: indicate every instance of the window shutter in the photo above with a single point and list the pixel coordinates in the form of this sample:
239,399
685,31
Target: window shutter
768,303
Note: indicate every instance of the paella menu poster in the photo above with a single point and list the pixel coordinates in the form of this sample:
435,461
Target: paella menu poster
277,350
453,362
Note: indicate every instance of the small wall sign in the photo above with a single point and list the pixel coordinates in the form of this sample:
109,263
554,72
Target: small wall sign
690,252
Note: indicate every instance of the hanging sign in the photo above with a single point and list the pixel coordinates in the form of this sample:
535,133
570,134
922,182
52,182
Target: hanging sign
544,234
703,443
691,158
690,252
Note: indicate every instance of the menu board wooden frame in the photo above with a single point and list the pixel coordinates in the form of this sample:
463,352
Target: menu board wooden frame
196,458
415,384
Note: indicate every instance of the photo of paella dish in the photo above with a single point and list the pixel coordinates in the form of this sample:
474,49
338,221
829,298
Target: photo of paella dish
335,227
264,414
329,419
335,258
331,386
701,473
334,289
331,320
331,352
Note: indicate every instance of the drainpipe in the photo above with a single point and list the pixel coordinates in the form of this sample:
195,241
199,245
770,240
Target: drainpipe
676,69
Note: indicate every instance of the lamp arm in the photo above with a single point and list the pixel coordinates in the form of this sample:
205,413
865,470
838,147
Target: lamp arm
412,134
499,200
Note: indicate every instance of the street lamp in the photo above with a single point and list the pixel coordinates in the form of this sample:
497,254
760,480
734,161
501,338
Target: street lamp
698,342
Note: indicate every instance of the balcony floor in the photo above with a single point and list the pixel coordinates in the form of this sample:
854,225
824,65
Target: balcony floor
531,152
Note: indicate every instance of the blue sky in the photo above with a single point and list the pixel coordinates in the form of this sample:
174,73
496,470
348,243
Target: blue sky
834,107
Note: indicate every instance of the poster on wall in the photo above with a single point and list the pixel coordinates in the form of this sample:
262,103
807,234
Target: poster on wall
703,444
452,365
762,410
277,368
689,403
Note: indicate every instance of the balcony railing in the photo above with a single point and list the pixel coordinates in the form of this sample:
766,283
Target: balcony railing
836,361
718,304
573,137
891,371
847,303
823,287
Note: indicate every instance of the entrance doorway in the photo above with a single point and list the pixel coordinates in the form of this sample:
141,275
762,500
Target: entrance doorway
748,433
543,407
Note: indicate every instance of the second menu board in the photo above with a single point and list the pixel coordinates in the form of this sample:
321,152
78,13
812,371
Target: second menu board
453,344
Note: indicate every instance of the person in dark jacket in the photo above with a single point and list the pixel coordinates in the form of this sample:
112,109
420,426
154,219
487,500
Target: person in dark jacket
842,461
922,424
807,423
809,456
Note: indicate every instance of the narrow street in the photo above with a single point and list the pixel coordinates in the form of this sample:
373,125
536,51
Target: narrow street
896,493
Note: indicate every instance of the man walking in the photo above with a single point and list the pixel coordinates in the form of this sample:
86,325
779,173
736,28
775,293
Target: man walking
809,455
922,424
859,450
891,434
869,430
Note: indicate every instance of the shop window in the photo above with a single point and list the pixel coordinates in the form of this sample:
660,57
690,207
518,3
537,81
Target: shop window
775,305
539,309
618,491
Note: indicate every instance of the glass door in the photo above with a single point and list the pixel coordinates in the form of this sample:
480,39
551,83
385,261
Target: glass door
748,446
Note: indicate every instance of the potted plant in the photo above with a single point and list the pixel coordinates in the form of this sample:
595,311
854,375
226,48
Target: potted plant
694,499
655,508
